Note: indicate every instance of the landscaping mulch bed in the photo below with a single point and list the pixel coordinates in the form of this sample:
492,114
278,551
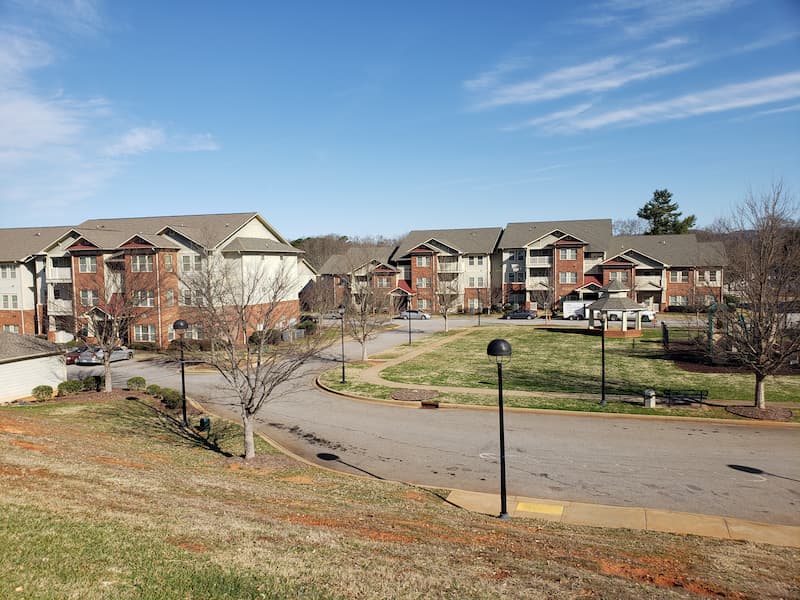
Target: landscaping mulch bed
414,395
766,414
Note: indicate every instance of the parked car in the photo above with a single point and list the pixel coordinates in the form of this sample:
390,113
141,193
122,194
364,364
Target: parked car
414,314
71,356
520,314
94,355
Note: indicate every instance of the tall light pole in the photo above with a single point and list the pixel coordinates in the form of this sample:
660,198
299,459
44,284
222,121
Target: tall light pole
341,316
408,314
501,349
603,318
180,326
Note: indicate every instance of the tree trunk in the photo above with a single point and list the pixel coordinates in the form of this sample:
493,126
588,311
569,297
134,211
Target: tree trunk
364,351
445,322
249,439
761,401
107,371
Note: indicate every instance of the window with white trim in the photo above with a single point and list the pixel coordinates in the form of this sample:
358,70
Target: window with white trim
8,271
384,282
145,298
567,277
9,301
186,298
568,253
11,328
423,261
144,333
424,303
618,276
679,277
142,263
678,300
473,304
89,298
480,282
423,282
87,264
169,300
191,263
168,266
471,282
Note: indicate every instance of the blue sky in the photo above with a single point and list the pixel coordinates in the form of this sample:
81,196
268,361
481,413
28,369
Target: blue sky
367,118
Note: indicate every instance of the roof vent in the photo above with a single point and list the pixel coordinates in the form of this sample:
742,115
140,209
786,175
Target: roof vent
38,234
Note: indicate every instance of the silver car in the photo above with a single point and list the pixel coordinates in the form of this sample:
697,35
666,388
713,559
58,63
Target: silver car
414,314
94,355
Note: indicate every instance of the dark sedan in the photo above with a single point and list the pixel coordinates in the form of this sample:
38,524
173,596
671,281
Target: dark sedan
520,314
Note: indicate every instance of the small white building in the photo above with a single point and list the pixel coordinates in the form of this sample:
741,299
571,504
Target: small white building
27,361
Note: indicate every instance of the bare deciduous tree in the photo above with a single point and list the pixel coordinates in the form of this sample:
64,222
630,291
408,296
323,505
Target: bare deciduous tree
124,303
366,314
763,249
629,226
246,313
448,294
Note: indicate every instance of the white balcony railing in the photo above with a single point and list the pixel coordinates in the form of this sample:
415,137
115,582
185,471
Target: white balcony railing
540,261
59,274
59,307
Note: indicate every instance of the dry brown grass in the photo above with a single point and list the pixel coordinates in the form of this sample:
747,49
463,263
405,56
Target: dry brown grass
278,529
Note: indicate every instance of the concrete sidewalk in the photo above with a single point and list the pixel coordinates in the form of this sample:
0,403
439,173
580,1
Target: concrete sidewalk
649,519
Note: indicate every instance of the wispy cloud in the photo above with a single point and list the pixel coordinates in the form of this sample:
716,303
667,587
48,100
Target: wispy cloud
493,76
137,141
56,148
601,75
725,98
638,18
782,109
668,44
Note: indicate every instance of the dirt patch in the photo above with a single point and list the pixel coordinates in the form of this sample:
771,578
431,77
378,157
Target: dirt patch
29,445
415,496
765,414
194,547
663,574
383,535
12,471
17,427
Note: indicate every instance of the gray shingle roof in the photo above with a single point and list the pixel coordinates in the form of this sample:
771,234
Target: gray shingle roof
22,242
207,230
477,240
14,346
673,250
596,232
356,257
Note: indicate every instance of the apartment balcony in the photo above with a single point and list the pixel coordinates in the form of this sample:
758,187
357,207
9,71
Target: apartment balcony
540,261
56,274
450,267
538,283
59,307
650,281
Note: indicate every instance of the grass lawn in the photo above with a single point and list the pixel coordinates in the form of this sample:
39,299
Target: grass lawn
569,362
110,499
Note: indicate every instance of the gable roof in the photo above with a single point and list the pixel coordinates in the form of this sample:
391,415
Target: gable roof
246,244
595,232
20,243
356,257
477,240
676,250
209,231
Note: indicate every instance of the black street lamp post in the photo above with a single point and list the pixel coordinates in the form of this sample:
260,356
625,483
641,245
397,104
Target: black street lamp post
341,316
408,314
180,326
501,349
603,318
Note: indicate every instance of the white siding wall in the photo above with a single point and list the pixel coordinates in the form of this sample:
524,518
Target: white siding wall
254,229
18,378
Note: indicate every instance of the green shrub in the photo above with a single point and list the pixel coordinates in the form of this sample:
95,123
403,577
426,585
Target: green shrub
136,383
154,390
73,386
93,383
42,392
308,325
267,336
171,398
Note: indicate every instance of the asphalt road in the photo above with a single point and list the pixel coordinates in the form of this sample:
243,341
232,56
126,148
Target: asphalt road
746,471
